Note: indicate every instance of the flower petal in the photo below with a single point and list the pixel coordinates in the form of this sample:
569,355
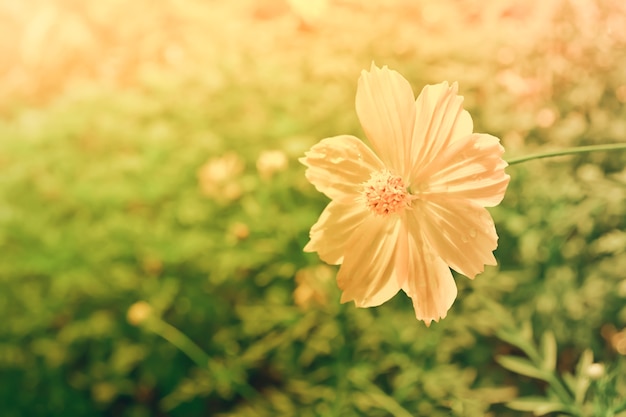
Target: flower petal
385,105
440,120
470,169
330,235
367,275
427,279
338,166
461,233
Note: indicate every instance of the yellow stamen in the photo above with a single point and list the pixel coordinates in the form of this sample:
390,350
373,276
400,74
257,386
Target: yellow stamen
385,193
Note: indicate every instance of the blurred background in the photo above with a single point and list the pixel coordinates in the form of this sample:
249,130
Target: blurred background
153,212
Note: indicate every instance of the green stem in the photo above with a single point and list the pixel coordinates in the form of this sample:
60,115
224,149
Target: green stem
192,350
343,364
180,340
569,151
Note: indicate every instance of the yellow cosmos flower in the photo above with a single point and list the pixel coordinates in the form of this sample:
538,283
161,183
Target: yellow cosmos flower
402,215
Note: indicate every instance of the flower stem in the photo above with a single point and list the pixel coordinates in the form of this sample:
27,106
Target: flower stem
178,339
569,151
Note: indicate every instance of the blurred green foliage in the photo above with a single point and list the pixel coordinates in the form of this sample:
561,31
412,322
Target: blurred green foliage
102,205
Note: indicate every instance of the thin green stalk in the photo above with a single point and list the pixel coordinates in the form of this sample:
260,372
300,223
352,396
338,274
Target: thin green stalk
180,340
569,151
189,348
343,364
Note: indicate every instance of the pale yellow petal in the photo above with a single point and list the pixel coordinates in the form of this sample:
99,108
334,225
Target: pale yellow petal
330,235
367,275
440,120
461,233
385,105
338,166
470,169
427,279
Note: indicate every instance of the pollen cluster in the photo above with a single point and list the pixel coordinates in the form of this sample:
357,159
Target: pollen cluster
385,193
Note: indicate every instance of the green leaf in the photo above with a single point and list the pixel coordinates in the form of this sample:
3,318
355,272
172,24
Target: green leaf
520,338
582,380
527,331
522,366
548,350
538,405
570,381
620,408
586,359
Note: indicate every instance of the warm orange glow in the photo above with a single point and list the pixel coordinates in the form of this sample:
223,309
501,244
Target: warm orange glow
48,46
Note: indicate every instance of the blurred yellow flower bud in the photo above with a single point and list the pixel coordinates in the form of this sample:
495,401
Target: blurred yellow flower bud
595,371
240,231
271,162
313,286
217,176
138,313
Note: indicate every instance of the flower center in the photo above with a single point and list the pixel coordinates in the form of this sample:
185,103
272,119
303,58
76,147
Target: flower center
385,193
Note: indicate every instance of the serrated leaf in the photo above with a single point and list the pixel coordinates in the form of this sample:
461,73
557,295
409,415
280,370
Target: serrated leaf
548,350
538,405
522,366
